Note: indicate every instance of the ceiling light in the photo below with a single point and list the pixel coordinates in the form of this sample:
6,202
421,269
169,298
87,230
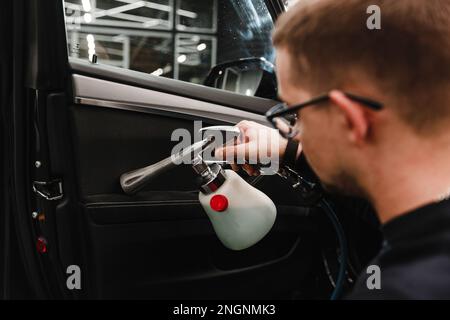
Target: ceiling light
201,47
90,38
87,17
158,72
86,5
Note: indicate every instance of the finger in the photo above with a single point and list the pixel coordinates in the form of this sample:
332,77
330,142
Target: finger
281,125
235,167
247,124
232,154
249,169
245,127
252,133
219,153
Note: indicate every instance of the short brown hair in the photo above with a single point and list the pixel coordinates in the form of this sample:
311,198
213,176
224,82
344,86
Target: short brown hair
408,59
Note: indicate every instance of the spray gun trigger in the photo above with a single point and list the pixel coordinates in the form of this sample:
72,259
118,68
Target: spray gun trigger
224,136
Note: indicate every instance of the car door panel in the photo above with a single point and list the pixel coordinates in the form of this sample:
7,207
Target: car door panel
158,259
81,125
159,243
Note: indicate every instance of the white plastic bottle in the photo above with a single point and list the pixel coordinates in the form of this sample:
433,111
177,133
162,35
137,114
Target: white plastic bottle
240,214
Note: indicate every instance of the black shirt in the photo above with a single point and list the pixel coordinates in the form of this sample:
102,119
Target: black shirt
415,259
414,262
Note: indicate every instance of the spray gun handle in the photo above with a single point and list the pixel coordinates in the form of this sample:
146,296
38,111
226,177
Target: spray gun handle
134,181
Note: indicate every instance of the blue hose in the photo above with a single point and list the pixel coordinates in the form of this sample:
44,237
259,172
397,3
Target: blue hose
325,205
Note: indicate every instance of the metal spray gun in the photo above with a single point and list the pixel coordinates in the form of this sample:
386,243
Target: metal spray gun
241,215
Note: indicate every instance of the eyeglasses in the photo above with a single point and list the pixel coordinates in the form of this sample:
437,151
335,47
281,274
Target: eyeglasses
284,118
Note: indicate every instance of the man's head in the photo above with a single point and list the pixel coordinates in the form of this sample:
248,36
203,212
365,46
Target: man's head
326,46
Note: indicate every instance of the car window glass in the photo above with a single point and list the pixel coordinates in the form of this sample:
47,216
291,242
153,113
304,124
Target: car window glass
179,39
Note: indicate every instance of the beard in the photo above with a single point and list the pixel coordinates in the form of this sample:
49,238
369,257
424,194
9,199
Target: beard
340,182
344,184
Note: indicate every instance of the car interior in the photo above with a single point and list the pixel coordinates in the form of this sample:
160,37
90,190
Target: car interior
104,94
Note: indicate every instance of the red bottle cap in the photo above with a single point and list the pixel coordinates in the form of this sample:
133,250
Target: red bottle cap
219,203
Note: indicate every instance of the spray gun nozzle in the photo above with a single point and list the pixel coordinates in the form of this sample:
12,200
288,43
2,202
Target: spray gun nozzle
135,180
200,167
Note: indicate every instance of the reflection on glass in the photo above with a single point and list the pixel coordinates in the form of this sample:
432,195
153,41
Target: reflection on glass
158,48
195,57
198,15
180,39
246,27
155,14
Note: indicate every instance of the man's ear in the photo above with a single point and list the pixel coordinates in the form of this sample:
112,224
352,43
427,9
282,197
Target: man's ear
356,118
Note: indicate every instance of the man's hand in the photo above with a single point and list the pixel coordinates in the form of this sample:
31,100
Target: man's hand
257,142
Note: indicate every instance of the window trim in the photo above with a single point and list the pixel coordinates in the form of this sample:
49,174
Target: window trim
256,105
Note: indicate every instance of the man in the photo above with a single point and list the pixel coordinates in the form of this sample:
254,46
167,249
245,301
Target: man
382,131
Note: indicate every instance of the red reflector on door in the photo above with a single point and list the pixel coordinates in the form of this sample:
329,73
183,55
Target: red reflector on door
41,245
